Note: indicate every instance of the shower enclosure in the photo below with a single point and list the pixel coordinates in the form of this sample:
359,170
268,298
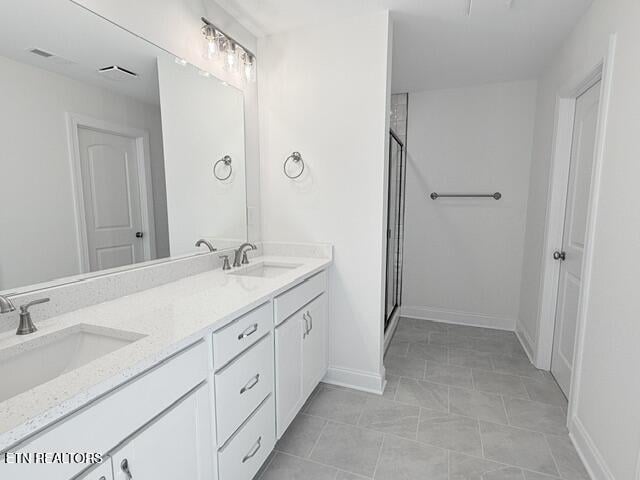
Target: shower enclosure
395,225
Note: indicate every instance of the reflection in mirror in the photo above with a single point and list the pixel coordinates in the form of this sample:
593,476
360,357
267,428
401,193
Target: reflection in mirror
104,162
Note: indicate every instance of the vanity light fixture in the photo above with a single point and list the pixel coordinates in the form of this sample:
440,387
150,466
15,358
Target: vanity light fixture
234,55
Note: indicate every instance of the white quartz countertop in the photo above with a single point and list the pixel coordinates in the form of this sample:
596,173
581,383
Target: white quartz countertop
170,317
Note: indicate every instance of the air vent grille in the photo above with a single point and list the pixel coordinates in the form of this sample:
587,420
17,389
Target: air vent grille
41,53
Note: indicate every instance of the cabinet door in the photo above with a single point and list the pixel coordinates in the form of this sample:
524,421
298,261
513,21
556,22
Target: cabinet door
289,389
314,359
101,472
175,445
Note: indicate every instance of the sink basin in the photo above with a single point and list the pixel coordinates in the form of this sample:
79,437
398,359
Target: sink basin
34,362
266,269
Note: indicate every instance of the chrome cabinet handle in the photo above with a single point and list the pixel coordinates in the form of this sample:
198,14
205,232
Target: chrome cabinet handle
124,466
306,325
310,320
253,450
249,331
252,383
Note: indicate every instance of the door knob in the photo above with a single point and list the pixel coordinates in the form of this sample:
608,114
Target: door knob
139,234
562,256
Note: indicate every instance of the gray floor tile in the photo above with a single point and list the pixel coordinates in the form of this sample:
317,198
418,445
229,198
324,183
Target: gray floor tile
463,467
427,351
567,459
499,346
545,391
470,358
341,405
452,341
349,476
409,333
301,435
467,331
398,349
405,367
536,416
407,460
476,404
426,325
515,446
449,375
390,417
537,476
286,467
348,448
423,394
516,366
449,431
391,387
499,383
265,465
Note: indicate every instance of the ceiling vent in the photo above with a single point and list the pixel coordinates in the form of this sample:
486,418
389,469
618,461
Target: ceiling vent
41,53
117,73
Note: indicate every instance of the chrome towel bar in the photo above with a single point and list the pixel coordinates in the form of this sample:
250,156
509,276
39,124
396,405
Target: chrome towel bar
496,196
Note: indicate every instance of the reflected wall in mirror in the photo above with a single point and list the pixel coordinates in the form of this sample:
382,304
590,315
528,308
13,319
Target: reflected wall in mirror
108,149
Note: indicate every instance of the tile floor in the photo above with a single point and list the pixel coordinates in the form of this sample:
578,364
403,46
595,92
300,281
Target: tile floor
461,403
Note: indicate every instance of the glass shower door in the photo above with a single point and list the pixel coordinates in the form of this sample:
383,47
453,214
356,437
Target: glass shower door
395,226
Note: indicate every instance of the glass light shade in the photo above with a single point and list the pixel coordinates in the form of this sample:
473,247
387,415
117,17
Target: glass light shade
211,38
249,68
230,57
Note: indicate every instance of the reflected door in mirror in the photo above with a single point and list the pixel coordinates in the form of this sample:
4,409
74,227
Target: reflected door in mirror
111,199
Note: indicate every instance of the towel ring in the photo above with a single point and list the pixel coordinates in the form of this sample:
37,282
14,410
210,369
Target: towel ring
227,161
295,157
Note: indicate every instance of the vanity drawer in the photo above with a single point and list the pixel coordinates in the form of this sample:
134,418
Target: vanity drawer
245,453
241,334
242,386
293,300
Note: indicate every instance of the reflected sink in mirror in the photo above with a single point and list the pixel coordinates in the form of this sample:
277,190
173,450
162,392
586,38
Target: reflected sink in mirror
37,361
265,269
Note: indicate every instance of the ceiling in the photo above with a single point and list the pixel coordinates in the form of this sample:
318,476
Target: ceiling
81,43
436,45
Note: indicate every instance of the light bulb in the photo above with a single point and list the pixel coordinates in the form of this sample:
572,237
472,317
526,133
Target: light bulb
211,41
249,68
231,59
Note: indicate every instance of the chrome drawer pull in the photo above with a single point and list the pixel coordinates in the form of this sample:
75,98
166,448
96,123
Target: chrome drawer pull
249,331
253,450
124,466
252,383
306,325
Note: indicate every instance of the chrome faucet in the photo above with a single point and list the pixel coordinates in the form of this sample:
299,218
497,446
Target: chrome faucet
202,241
240,252
26,325
6,305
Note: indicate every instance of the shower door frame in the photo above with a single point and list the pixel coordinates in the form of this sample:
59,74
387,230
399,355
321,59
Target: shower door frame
402,176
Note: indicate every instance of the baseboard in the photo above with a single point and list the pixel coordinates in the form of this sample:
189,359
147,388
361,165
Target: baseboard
525,341
459,318
588,452
364,381
388,335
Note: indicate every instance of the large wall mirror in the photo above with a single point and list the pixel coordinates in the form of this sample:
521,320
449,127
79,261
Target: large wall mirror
112,151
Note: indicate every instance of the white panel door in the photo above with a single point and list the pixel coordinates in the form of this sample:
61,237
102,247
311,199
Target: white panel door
175,446
289,388
112,203
579,191
314,361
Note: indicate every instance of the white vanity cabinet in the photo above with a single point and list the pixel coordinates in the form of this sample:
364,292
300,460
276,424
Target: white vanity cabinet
300,347
171,447
101,472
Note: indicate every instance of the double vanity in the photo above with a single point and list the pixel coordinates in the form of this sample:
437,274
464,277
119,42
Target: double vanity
194,379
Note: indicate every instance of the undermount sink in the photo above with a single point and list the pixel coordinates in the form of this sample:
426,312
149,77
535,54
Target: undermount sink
37,361
266,269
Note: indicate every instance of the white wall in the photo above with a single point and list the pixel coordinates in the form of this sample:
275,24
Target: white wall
330,103
175,26
37,195
463,257
202,121
606,421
